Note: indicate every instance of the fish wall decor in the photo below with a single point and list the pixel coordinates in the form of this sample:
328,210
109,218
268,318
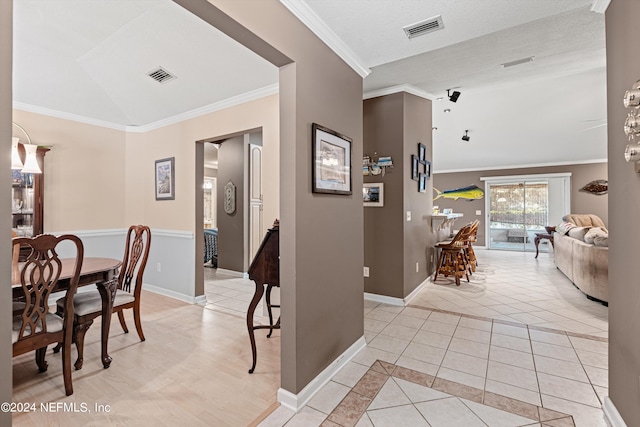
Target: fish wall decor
597,187
470,192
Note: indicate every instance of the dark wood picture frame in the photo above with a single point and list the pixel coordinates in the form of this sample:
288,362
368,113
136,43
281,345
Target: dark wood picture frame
422,183
422,152
427,168
165,179
331,161
415,162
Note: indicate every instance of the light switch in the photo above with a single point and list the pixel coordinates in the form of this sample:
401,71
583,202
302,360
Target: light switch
408,215
478,212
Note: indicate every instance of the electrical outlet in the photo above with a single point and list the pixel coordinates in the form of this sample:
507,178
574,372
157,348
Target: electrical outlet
431,257
159,268
478,212
417,267
365,270
408,215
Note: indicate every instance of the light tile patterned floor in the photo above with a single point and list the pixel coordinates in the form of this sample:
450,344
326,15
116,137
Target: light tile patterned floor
465,356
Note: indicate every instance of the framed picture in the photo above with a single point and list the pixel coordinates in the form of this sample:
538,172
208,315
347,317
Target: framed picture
427,168
422,184
165,179
373,194
331,168
422,152
414,167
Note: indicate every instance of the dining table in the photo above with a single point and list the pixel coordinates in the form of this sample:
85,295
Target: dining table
103,272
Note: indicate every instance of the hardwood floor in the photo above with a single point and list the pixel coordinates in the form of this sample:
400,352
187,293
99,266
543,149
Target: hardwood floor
191,370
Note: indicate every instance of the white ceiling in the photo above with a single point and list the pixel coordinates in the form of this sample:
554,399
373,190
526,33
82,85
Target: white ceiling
90,59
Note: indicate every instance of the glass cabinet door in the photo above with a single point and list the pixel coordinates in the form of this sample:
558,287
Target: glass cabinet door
22,203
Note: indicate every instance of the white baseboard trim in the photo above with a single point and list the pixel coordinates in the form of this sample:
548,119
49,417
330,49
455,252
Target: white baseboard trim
415,292
384,299
231,272
296,402
611,414
173,294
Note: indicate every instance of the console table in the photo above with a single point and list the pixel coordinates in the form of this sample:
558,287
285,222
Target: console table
541,236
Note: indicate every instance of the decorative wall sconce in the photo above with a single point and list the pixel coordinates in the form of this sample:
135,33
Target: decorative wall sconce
31,162
377,165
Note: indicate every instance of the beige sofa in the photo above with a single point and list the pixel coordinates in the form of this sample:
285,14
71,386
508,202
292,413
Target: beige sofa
585,264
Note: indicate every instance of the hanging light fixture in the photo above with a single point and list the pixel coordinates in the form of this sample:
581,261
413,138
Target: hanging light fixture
16,162
31,161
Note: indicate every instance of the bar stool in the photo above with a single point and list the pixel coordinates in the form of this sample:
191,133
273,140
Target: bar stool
453,259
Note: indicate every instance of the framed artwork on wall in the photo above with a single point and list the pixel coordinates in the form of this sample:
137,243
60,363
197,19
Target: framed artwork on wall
427,168
331,167
373,194
422,184
165,179
415,162
422,152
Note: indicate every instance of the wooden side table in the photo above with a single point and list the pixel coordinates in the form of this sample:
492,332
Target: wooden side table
540,236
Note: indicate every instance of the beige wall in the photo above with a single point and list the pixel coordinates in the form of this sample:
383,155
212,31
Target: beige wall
84,186
179,141
581,202
6,45
623,69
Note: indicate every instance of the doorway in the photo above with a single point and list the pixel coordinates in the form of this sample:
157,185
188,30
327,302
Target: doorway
519,207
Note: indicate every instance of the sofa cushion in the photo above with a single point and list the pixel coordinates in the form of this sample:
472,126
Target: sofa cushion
595,232
583,220
578,232
601,241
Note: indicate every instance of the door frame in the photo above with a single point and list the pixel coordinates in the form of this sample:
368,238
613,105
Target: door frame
503,179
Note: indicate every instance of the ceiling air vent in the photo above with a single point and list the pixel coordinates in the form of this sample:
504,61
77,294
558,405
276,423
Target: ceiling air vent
161,75
424,27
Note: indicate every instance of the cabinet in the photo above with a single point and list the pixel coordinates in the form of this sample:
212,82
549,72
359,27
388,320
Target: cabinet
27,195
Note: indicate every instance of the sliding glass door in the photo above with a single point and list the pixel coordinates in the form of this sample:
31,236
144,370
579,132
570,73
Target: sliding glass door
519,207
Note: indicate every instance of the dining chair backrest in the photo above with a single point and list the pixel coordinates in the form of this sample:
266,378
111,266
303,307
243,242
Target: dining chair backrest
38,276
462,235
136,253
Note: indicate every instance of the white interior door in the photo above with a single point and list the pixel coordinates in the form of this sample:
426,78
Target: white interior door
255,199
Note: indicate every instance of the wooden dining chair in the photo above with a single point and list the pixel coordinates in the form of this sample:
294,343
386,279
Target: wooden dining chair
453,260
473,238
88,305
34,328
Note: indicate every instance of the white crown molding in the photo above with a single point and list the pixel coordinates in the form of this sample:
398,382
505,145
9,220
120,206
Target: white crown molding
396,89
66,116
532,165
600,6
308,17
217,106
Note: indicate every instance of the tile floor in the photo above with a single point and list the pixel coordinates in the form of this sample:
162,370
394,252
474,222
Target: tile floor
518,346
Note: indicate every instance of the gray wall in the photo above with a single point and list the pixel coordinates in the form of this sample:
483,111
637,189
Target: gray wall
581,202
6,35
393,126
623,69
231,228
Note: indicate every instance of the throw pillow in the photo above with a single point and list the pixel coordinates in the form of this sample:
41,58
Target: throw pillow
595,232
578,232
564,227
601,241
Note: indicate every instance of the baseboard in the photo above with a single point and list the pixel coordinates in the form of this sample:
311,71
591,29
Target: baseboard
296,402
415,292
384,299
175,295
611,414
230,272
